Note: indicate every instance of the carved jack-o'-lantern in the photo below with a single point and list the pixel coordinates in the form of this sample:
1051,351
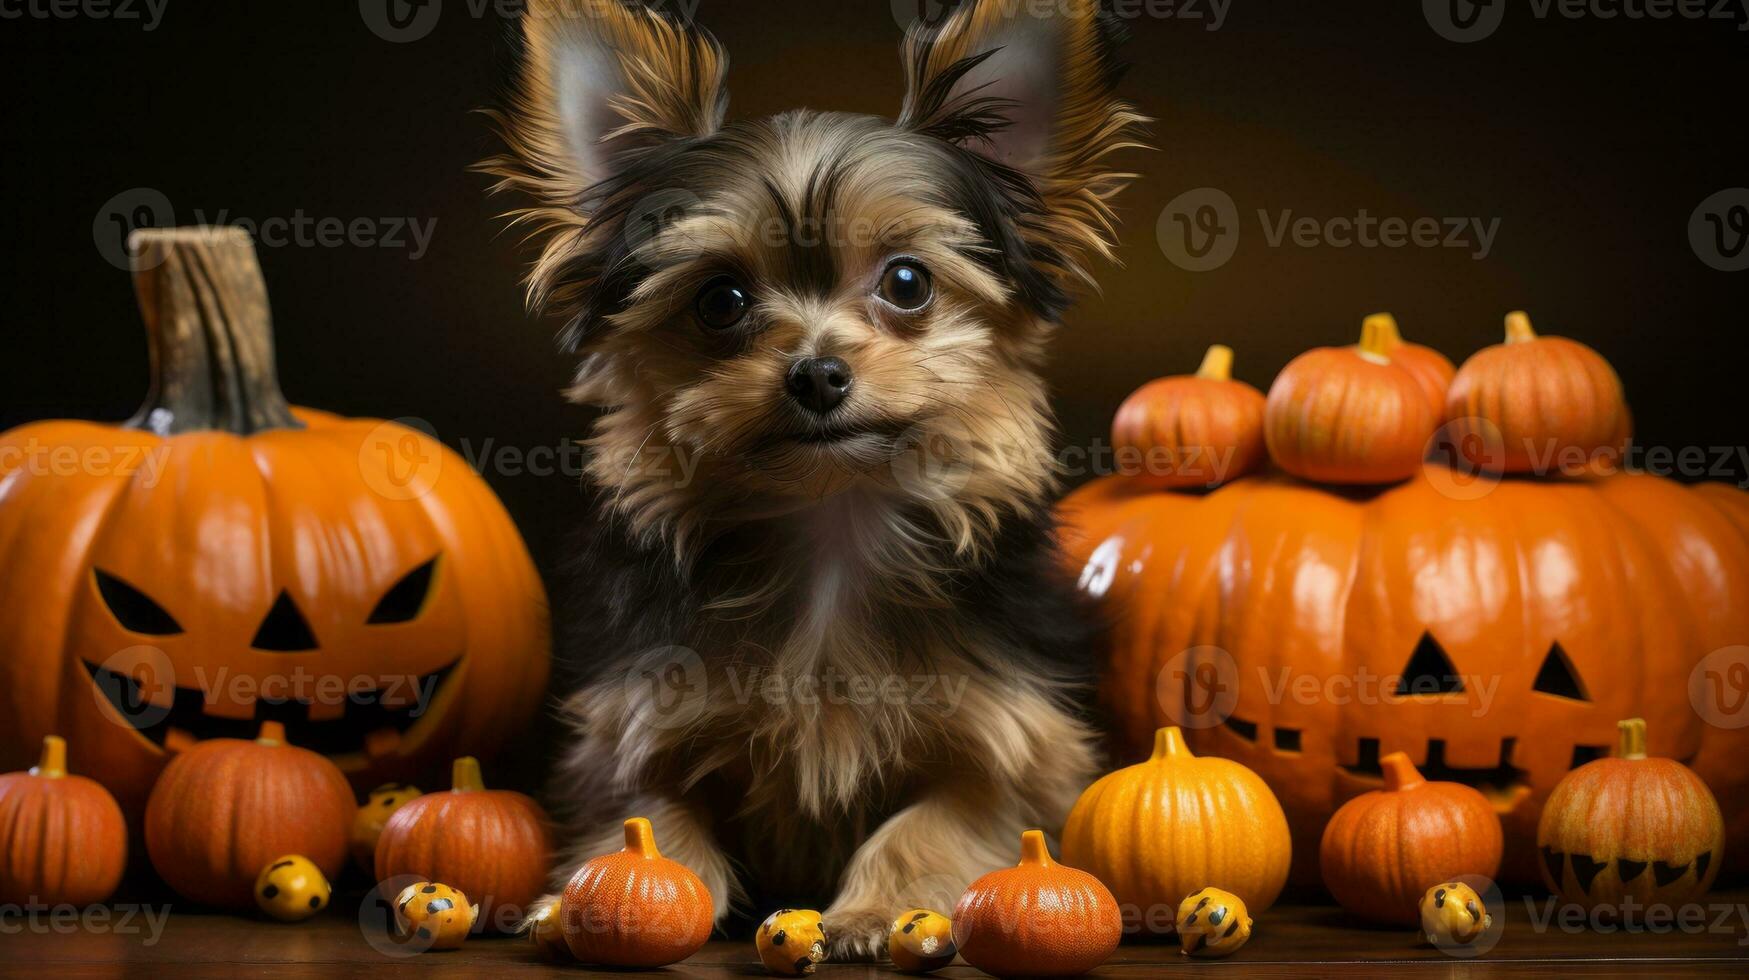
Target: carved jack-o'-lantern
1492,631
224,559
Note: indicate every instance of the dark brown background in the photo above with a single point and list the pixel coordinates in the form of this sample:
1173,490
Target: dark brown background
1592,141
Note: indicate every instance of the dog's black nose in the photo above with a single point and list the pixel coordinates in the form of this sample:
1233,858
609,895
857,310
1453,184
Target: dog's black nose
818,384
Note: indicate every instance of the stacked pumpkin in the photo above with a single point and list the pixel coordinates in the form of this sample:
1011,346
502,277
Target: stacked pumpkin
1440,563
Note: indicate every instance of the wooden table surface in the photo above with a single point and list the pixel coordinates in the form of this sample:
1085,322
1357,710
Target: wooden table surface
1292,939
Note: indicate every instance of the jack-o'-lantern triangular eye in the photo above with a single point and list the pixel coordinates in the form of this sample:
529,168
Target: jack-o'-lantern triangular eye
1429,671
284,630
133,609
406,600
1558,678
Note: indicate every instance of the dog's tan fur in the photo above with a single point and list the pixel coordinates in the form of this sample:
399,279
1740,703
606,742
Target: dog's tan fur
841,560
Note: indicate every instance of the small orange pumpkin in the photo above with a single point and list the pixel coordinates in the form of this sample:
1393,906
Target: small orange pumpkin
1431,370
225,808
1159,830
491,844
1349,415
1384,849
1630,826
1196,431
1037,919
63,840
1537,404
636,908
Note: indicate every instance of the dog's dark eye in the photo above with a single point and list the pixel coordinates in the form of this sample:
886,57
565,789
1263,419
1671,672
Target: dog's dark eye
907,285
722,303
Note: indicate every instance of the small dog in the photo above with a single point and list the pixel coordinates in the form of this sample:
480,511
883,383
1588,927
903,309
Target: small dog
821,635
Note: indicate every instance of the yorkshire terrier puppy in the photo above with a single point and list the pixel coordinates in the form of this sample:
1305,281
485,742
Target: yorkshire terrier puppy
821,637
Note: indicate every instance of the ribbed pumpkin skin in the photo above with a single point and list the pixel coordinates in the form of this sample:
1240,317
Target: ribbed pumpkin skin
493,845
63,840
1347,416
1384,849
1037,919
223,809
1159,830
1431,370
1634,809
1197,430
1544,396
635,908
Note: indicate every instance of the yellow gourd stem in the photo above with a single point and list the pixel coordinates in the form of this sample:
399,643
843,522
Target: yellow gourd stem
1217,364
272,733
1632,744
1169,744
1400,773
1033,852
1518,328
54,758
1379,333
641,838
464,775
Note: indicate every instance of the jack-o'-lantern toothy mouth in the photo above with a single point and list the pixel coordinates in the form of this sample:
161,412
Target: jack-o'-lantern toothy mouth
372,722
1586,868
1503,784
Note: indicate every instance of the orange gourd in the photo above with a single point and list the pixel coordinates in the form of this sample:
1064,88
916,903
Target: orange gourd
226,808
1200,430
635,908
1544,405
1037,919
1631,826
1159,830
1384,849
62,838
222,548
492,844
1349,415
1431,370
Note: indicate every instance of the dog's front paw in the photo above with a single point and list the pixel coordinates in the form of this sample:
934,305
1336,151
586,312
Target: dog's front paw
856,936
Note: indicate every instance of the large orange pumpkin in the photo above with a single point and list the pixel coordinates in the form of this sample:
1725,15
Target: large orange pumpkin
224,558
1494,631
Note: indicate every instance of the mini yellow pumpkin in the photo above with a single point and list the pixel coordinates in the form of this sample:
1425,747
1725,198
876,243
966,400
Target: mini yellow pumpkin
292,888
1156,831
368,822
1452,914
921,941
431,916
791,942
1212,923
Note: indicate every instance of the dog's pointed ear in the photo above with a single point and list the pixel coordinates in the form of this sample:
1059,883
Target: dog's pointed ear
1030,87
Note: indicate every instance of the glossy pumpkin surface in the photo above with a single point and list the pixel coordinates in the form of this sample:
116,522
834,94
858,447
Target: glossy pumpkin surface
1631,826
227,808
1492,632
1212,923
1156,831
921,941
223,548
62,838
1199,430
636,908
1037,919
1385,848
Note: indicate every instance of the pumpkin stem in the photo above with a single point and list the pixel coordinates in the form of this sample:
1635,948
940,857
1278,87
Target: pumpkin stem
1518,328
54,758
1217,364
641,838
272,733
465,777
1169,744
1033,852
1632,735
209,332
1400,773
1379,332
